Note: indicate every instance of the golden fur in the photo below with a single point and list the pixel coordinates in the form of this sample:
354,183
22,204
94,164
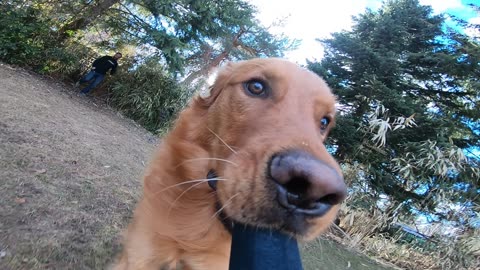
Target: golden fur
235,134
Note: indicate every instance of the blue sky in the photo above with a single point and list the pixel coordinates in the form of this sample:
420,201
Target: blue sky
311,19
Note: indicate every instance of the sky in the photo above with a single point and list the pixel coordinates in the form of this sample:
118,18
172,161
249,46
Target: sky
309,20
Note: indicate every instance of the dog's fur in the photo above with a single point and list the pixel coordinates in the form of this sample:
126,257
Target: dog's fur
235,134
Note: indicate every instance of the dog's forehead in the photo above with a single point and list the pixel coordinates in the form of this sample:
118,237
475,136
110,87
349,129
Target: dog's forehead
278,70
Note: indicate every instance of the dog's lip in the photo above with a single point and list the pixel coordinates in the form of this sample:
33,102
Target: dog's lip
222,216
315,209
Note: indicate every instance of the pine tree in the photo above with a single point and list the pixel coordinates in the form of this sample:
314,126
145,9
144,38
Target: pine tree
409,95
185,30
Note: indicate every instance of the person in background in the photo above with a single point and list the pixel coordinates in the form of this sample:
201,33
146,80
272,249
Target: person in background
96,75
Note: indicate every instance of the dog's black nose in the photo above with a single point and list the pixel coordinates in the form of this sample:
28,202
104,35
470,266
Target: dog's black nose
306,184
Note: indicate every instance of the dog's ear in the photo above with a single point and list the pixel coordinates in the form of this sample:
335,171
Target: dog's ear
221,78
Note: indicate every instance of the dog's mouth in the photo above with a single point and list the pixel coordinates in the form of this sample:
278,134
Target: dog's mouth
297,191
299,205
284,198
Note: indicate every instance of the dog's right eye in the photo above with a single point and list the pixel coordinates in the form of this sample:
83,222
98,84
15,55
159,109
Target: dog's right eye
255,88
324,123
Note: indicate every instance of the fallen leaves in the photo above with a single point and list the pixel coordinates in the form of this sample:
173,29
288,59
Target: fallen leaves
20,200
41,171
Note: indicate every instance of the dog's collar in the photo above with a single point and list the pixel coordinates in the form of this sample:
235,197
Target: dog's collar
212,182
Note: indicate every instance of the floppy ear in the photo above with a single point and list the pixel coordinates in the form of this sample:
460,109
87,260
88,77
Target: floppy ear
208,97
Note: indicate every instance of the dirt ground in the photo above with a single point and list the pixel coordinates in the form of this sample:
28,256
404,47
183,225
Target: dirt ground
70,171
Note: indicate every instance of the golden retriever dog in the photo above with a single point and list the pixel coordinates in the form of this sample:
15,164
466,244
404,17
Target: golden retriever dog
251,152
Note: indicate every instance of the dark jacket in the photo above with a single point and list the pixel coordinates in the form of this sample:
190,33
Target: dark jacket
103,64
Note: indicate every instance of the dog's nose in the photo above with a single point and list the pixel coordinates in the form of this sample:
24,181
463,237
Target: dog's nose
306,184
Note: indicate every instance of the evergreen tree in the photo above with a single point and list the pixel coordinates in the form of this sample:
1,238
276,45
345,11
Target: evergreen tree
184,31
409,119
238,42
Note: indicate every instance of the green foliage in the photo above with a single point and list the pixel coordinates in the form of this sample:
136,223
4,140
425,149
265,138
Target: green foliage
182,32
27,39
62,38
247,39
409,98
68,61
24,35
148,95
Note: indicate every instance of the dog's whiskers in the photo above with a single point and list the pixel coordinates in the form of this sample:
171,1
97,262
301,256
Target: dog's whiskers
226,144
204,180
197,159
179,196
200,181
228,202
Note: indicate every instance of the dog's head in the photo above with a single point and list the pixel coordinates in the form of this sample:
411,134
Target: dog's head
268,120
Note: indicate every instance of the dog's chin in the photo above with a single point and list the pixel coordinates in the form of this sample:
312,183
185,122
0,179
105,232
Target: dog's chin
265,210
298,225
295,225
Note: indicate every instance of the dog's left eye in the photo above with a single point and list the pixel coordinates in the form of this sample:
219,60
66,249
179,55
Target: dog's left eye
255,87
324,123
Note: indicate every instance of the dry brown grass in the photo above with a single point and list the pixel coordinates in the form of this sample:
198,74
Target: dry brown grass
69,175
360,233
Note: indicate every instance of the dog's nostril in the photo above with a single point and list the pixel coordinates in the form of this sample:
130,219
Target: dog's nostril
331,199
301,201
306,183
297,185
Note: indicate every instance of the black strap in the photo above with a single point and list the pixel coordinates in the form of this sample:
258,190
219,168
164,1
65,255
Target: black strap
263,249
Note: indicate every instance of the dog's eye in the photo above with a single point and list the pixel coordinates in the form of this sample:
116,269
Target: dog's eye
324,123
255,87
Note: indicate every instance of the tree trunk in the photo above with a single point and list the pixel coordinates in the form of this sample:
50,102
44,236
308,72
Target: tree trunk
213,63
206,69
90,14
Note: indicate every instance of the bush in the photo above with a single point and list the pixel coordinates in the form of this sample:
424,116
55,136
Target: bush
27,38
145,93
148,95
68,61
24,35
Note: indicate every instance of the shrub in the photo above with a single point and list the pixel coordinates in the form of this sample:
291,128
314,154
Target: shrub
24,35
148,95
68,61
28,38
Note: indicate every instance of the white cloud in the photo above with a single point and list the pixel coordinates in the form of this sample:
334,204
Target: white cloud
311,19
440,6
473,32
475,20
308,20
